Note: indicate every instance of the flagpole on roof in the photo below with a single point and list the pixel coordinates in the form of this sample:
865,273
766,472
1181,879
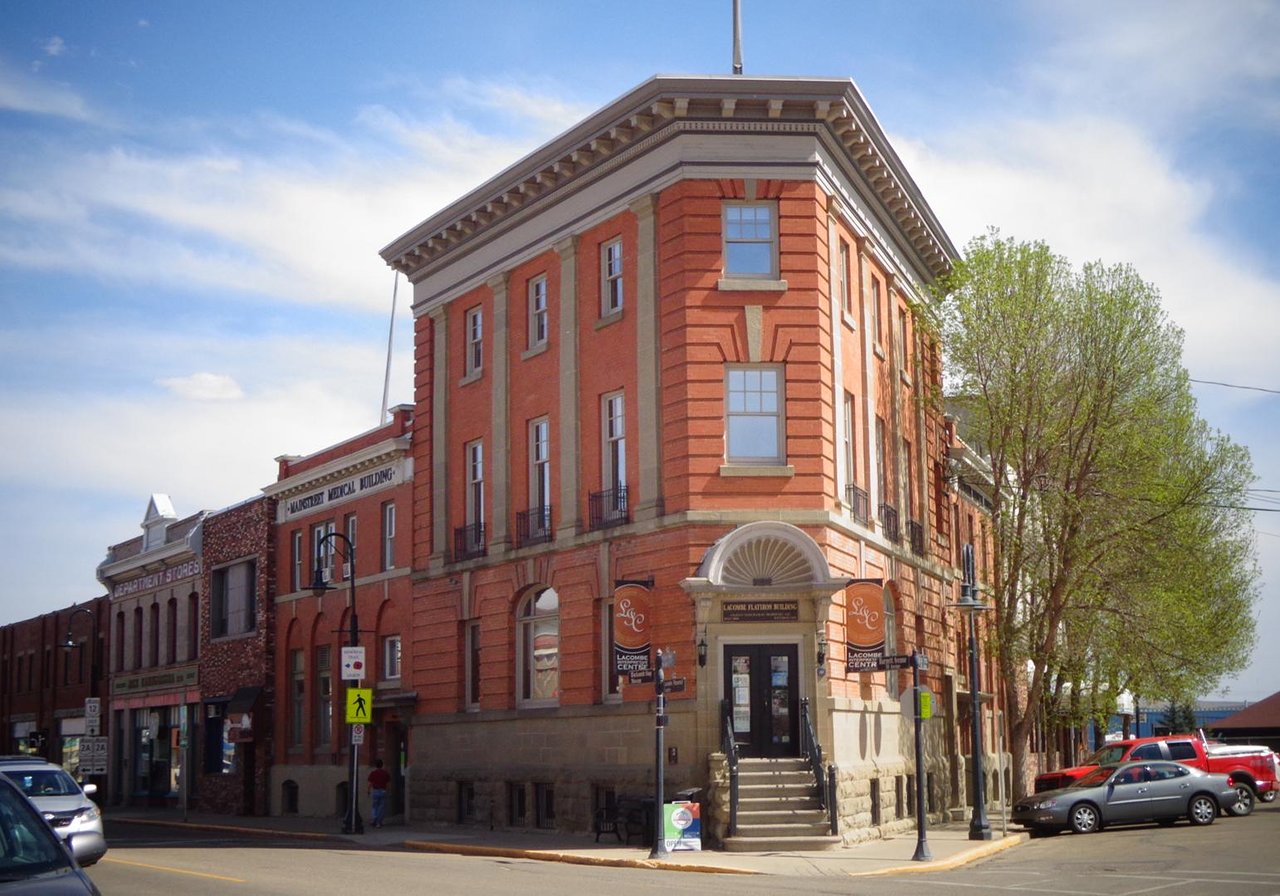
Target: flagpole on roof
391,330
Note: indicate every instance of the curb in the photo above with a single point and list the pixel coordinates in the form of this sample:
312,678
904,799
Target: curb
569,858
239,829
958,860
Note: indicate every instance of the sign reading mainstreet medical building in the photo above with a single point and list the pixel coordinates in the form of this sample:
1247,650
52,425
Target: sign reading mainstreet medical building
355,486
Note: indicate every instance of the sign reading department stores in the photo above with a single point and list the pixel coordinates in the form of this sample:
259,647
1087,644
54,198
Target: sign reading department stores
337,492
760,611
157,579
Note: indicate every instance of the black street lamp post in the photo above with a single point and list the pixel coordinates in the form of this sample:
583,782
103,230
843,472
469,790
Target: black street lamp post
351,823
68,643
979,829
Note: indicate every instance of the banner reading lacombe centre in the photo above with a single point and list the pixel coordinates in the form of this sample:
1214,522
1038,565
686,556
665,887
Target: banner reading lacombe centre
632,607
865,625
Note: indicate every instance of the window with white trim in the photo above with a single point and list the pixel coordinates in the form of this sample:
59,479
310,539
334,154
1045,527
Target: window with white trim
848,449
474,361
538,311
475,483
614,431
538,649
389,535
753,415
611,277
391,657
300,573
322,551
750,240
539,475
844,284
875,310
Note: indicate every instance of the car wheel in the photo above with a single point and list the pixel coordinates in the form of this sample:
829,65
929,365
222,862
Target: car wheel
1085,818
1268,797
1202,809
1244,801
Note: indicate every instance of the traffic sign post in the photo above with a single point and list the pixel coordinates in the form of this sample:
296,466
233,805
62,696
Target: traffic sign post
922,777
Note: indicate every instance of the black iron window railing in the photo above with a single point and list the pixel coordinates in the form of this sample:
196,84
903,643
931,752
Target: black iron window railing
533,526
468,541
889,523
915,535
609,508
859,503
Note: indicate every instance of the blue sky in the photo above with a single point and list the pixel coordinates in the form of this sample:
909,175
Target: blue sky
192,197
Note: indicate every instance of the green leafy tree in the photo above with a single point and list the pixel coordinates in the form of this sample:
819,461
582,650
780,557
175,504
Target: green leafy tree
1119,549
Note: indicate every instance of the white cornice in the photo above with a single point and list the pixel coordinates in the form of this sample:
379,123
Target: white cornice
340,468
660,109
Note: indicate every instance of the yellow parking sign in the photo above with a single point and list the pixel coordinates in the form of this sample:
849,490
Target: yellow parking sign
359,705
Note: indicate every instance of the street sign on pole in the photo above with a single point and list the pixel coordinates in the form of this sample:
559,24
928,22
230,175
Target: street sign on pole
352,663
93,716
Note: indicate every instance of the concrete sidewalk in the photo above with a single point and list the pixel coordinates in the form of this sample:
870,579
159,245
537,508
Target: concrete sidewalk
949,845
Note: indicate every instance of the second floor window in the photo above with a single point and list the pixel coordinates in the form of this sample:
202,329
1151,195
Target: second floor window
614,470
537,312
474,362
845,298
753,425
475,483
848,451
875,310
391,657
539,464
300,572
610,277
750,240
233,604
322,552
389,535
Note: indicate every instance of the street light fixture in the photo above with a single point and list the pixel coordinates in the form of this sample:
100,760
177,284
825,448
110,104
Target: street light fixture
351,824
979,829
68,643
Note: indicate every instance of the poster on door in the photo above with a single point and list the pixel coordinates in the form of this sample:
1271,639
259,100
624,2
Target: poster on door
864,623
631,632
741,694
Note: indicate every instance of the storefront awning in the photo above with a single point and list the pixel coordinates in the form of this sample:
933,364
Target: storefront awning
243,699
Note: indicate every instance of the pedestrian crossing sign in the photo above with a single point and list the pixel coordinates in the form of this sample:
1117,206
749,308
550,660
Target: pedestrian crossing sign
359,706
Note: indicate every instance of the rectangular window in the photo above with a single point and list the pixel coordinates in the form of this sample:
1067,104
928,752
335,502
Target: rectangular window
610,277
882,470
475,342
233,605
300,574
875,310
391,657
475,483
537,312
389,535
349,549
297,695
843,271
322,552
753,425
848,451
614,474
324,696
539,471
904,347
750,240
473,664
909,480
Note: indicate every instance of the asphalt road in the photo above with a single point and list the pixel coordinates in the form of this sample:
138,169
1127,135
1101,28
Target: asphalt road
1236,856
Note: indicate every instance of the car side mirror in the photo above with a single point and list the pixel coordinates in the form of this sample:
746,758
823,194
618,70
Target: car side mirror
87,847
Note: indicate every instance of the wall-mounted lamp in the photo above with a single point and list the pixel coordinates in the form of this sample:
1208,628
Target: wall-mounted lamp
702,649
822,649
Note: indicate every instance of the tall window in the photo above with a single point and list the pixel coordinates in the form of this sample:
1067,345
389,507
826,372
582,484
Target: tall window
753,425
137,637
324,695
610,277
848,452
539,473
300,578
391,656
890,640
875,310
475,342
882,469
475,483
153,636
537,311
389,535
171,630
750,240
193,626
350,526
610,685
843,283
904,347
297,695
322,551
233,604
473,664
538,625
909,480
614,474
119,642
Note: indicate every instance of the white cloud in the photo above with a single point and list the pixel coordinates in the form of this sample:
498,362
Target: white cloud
55,46
203,387
21,92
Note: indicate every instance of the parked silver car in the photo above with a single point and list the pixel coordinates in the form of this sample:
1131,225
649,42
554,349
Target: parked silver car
62,802
33,861
1128,792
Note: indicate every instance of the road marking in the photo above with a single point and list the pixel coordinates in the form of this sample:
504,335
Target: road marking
234,880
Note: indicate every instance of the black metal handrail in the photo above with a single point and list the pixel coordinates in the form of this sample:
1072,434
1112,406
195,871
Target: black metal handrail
889,523
608,508
859,503
533,526
812,750
730,747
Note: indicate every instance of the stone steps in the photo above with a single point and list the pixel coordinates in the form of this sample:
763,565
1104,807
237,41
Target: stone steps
779,809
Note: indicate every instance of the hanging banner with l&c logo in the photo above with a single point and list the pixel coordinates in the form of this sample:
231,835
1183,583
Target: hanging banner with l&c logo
864,623
632,609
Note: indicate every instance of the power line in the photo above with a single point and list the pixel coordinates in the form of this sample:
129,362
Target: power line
1234,386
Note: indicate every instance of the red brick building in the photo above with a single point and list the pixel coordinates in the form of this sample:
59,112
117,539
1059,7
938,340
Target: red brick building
234,731
353,494
687,343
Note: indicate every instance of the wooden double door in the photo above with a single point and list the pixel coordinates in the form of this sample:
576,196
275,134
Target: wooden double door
761,683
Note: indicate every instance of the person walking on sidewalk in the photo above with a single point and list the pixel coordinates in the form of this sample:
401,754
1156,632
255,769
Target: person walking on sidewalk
379,779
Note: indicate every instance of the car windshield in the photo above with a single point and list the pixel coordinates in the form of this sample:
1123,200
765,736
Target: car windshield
28,848
1097,776
1109,754
44,782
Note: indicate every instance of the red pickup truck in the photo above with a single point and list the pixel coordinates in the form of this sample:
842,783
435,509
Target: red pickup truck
1252,769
